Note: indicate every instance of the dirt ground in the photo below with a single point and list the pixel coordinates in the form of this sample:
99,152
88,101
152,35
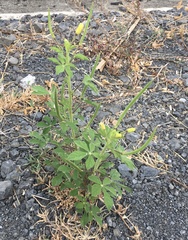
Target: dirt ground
26,6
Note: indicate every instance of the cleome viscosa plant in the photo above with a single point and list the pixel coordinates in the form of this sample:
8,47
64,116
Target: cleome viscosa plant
81,156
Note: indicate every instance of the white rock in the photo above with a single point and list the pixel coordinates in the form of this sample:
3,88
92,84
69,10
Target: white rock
27,81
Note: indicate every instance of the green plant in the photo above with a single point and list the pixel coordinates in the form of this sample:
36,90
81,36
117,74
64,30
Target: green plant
80,156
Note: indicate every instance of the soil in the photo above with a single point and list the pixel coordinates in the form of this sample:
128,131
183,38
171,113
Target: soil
136,51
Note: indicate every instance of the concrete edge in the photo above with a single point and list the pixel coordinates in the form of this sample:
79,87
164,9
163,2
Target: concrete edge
6,16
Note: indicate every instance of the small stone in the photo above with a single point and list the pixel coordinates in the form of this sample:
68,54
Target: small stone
109,221
14,153
6,189
38,27
27,81
7,167
13,61
171,186
126,172
185,81
22,28
117,232
13,176
147,172
175,144
3,153
126,80
7,40
15,144
183,100
132,137
59,18
37,116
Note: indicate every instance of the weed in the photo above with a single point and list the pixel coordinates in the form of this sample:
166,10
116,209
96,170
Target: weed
80,156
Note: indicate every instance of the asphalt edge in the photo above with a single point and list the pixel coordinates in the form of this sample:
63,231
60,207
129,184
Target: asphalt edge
6,16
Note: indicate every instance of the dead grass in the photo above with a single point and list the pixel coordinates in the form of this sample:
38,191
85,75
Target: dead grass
23,102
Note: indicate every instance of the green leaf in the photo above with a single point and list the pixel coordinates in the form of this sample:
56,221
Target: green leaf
62,58
74,192
67,45
95,179
39,90
82,144
54,60
111,189
37,136
59,69
79,205
56,49
50,25
77,155
57,180
108,201
132,103
90,162
81,56
128,162
91,147
107,181
64,169
115,175
42,125
98,220
96,190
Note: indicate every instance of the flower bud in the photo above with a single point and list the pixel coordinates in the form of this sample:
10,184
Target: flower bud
130,130
79,28
102,126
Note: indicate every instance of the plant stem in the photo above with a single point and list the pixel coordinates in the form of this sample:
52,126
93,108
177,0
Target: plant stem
99,160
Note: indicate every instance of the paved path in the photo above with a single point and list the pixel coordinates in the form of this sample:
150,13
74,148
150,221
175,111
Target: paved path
24,6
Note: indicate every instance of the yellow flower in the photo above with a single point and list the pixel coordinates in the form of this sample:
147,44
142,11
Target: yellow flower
130,130
102,126
79,28
115,134
118,135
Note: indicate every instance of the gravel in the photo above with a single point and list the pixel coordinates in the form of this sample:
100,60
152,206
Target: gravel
159,201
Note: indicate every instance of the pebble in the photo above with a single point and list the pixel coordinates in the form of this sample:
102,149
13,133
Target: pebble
175,144
7,40
132,137
38,27
13,61
7,167
126,172
117,232
185,81
148,172
6,189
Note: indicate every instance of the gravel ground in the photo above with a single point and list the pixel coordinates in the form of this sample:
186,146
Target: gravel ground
159,202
